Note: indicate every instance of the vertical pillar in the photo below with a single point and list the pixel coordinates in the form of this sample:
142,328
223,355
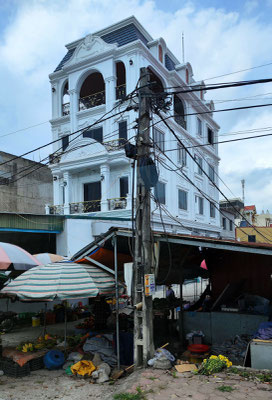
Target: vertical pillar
110,100
105,185
73,109
56,190
66,183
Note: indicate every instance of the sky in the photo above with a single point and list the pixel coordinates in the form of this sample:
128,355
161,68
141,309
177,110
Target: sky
221,37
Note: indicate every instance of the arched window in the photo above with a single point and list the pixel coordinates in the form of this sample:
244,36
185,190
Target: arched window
65,100
179,111
187,76
92,92
120,80
160,54
156,86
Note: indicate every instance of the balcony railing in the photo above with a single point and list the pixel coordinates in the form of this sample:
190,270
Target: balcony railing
119,203
93,100
85,207
180,120
66,109
116,144
56,210
120,92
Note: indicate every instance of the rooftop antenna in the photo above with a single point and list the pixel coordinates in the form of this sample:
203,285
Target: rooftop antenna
243,190
182,47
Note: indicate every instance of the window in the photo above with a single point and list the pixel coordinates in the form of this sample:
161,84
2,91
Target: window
199,165
158,138
182,156
187,76
224,223
160,54
230,225
212,210
210,136
252,238
199,126
182,199
200,205
96,134
211,173
65,142
123,186
122,132
159,192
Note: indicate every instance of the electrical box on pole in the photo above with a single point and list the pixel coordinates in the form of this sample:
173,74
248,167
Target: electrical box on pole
143,258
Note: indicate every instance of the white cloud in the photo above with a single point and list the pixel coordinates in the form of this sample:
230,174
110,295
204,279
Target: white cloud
216,42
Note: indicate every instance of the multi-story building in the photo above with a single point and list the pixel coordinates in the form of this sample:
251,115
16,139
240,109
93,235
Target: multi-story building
92,176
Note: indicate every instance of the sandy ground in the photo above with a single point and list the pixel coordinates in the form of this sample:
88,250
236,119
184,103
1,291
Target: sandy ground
155,384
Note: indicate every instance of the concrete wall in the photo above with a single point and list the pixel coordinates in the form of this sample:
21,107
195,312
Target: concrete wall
27,194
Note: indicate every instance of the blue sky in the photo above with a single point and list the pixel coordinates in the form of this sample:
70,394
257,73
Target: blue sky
220,37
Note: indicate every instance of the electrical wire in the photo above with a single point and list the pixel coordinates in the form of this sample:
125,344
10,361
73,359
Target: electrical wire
236,72
213,183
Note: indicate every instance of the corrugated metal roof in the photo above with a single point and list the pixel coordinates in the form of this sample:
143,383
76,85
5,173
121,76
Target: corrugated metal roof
121,36
169,63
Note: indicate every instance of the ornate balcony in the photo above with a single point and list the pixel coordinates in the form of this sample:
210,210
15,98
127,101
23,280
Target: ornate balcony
66,109
85,207
56,210
113,145
180,120
93,100
120,92
119,203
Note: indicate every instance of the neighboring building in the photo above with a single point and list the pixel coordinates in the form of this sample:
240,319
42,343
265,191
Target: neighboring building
25,185
91,173
258,235
227,224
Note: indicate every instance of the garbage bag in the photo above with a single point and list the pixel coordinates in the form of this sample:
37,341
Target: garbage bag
161,353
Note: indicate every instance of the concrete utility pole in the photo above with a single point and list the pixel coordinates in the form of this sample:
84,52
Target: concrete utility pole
143,260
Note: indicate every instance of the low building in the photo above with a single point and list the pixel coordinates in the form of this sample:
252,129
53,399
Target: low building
25,186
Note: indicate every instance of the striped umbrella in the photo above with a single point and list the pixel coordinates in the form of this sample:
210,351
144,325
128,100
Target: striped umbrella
20,258
46,258
63,281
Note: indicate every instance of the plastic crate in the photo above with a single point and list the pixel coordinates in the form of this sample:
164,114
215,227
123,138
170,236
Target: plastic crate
11,368
36,363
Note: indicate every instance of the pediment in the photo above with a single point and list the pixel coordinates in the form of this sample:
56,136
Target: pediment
83,149
90,46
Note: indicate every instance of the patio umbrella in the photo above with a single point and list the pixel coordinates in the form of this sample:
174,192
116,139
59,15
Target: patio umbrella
20,258
63,281
46,258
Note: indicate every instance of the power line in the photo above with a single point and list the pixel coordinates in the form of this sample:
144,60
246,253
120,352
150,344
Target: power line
236,72
23,129
199,166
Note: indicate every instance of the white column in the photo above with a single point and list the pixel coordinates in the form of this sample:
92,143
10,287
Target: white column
73,109
56,190
129,195
66,183
105,186
110,91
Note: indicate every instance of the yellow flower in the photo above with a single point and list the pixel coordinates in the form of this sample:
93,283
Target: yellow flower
205,360
213,358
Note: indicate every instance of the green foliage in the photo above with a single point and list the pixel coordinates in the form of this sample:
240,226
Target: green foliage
213,365
225,388
140,395
265,377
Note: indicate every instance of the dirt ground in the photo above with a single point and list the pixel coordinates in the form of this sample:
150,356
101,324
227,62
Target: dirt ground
152,384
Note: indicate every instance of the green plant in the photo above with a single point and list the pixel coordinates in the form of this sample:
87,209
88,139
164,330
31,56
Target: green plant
174,374
225,388
214,364
264,377
140,395
234,370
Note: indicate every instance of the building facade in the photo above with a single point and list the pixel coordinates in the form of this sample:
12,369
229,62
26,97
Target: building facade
25,185
92,88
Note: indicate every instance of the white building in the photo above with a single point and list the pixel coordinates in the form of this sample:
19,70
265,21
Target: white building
92,175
